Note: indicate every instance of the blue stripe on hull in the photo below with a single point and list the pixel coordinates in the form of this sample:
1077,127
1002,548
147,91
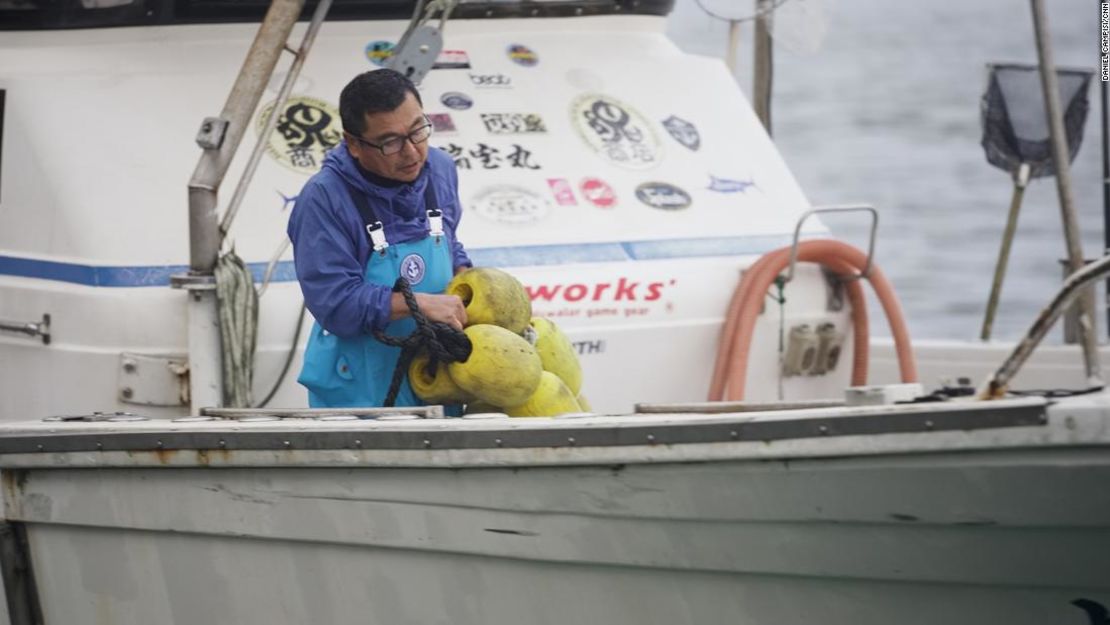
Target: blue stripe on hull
524,256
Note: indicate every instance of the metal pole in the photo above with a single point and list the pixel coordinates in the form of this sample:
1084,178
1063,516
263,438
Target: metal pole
1104,55
205,369
1021,179
763,63
733,46
204,237
1063,187
1076,284
271,122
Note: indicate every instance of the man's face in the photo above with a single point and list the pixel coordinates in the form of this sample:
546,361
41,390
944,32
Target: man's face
405,165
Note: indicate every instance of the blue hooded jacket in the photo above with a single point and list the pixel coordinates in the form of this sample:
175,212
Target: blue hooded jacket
330,245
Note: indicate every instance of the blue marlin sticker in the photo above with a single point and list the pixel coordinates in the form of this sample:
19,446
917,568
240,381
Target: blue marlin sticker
724,185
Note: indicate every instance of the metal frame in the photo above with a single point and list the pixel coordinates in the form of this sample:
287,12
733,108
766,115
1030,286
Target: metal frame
743,428
853,208
20,589
1073,288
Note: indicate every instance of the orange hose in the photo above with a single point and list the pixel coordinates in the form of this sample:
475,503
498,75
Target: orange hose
764,272
730,370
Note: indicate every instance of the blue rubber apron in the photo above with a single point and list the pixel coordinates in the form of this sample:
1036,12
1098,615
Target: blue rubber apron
356,372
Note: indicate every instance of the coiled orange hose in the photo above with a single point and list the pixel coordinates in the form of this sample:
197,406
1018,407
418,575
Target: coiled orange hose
731,366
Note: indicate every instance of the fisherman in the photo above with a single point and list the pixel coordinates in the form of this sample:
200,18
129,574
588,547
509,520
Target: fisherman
383,205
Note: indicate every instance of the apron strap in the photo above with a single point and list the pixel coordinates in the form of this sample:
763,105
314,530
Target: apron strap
431,207
374,226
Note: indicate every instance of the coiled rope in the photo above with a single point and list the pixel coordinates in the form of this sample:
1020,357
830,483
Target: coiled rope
237,306
444,343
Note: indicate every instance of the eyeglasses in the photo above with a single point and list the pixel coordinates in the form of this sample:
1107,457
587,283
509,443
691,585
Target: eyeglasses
396,144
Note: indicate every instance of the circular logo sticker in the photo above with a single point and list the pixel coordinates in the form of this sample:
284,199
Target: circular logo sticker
306,130
598,192
456,100
616,131
510,204
377,52
412,269
523,55
663,195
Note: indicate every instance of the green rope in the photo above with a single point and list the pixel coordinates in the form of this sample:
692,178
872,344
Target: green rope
237,303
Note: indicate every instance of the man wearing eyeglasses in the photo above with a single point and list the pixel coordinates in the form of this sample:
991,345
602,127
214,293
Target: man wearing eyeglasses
383,205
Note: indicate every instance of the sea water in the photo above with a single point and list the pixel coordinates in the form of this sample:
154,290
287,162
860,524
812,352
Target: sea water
885,111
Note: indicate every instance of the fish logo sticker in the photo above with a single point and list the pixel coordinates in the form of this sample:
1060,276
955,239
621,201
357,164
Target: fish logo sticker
306,130
378,52
683,131
413,269
616,131
598,192
523,55
456,100
663,196
724,185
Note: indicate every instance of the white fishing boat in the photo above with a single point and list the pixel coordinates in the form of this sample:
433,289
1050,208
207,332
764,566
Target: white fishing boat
628,185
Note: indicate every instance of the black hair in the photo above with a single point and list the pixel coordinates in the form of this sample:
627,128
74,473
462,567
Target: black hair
375,91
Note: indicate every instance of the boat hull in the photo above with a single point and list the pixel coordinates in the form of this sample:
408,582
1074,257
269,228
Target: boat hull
1004,521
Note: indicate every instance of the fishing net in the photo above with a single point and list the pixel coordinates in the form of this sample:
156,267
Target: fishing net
1015,127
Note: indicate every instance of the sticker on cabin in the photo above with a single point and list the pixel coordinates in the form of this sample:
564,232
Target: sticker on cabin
441,122
378,52
412,269
513,123
663,195
683,131
523,55
484,156
623,297
510,204
452,59
616,131
306,130
491,81
456,100
724,185
563,192
598,192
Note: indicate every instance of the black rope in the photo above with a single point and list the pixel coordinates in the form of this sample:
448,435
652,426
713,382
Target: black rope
444,343
288,360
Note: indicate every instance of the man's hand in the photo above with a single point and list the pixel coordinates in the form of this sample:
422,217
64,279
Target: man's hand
447,309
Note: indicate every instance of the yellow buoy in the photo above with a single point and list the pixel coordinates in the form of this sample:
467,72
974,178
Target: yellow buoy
503,369
551,398
584,404
557,353
434,387
493,297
